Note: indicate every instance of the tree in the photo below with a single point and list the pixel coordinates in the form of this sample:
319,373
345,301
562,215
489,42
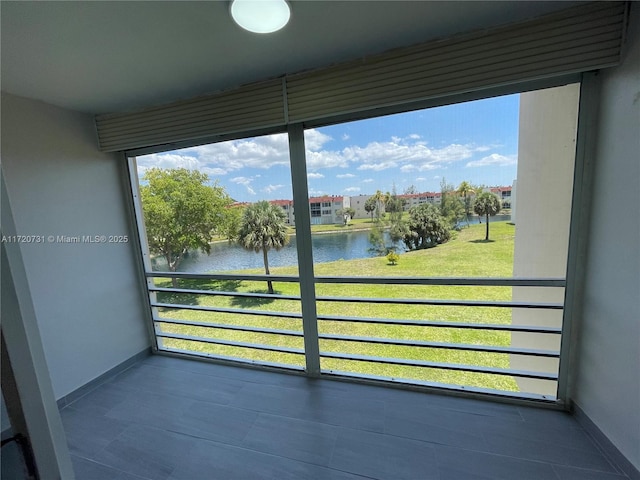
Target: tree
410,190
262,228
346,213
181,212
427,228
397,228
465,189
393,204
451,207
379,198
487,204
230,222
377,241
370,206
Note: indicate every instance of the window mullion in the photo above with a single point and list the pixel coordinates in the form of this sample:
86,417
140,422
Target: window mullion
305,247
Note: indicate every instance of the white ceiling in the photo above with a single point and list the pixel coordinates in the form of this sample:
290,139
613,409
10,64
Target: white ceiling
106,56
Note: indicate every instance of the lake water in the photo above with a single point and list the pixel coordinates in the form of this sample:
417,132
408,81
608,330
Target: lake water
327,247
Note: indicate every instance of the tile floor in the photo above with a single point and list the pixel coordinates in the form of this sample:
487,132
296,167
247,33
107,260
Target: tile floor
176,419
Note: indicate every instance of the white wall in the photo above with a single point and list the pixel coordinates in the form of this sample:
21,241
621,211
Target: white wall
607,388
88,305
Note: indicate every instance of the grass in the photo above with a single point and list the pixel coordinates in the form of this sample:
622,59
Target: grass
468,255
353,225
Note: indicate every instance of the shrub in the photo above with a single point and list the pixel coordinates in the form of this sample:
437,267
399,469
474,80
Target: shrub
393,258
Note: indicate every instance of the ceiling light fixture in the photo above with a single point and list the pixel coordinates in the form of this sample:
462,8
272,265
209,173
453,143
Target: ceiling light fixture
260,16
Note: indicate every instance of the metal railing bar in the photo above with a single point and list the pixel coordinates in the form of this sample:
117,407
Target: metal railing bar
241,328
377,340
231,343
224,276
441,366
454,303
537,398
388,321
426,323
458,281
224,294
226,359
446,346
241,311
401,301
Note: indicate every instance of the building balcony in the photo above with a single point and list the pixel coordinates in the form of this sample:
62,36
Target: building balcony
171,418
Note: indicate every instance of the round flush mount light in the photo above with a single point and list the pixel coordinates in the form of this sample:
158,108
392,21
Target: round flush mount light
260,16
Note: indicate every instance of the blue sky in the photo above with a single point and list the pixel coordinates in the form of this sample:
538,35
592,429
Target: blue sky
474,141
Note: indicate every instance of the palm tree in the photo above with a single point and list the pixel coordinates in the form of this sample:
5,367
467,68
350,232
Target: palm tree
487,204
370,206
380,200
465,189
262,228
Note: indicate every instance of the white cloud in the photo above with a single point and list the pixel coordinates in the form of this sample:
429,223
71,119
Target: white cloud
409,153
495,160
406,154
376,167
352,189
367,180
272,188
241,180
246,181
420,179
175,160
316,193
325,159
314,140
260,152
345,136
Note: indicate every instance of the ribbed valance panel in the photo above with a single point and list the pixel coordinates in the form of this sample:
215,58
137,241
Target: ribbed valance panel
571,41
254,106
574,40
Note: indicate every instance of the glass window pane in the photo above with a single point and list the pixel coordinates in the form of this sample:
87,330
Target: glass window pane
224,208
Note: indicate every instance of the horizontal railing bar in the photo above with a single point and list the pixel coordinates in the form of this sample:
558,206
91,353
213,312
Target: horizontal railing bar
213,356
223,326
387,321
240,311
440,366
454,303
446,346
425,323
386,341
458,281
422,383
224,276
410,301
231,343
274,296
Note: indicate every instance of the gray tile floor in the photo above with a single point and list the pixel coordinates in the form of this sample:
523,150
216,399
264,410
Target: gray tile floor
177,419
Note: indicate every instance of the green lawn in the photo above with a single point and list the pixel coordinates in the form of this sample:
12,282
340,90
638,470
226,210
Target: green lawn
467,255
